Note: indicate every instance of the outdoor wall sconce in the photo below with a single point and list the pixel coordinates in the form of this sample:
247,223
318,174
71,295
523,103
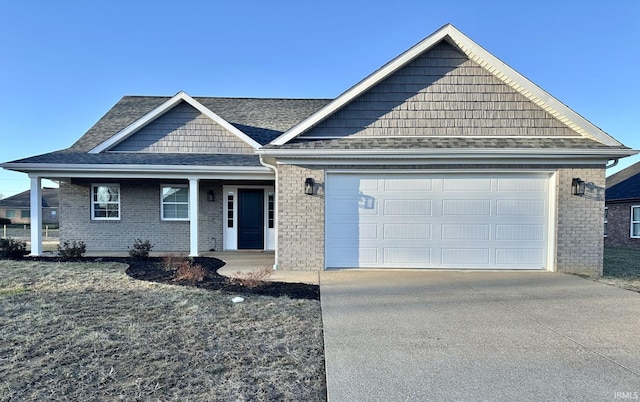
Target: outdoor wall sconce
308,186
577,186
210,196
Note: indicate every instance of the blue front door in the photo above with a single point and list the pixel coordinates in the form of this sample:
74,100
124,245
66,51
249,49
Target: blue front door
251,218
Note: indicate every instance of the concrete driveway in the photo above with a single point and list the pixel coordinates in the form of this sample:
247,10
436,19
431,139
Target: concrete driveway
469,336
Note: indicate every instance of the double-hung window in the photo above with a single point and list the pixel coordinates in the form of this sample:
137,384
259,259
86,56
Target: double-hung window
105,202
175,203
635,221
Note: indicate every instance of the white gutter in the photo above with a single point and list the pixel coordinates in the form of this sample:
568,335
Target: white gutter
275,209
447,152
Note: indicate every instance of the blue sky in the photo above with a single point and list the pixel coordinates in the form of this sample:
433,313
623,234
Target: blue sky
63,64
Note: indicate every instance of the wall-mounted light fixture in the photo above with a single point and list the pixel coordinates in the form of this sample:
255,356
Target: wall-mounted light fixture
210,196
308,186
577,186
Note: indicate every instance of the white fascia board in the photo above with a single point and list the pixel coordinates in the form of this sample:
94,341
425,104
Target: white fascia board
363,85
528,89
162,109
143,171
476,53
521,160
445,153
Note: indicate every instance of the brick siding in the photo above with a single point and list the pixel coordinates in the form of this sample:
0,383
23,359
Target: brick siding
300,219
140,218
579,246
619,225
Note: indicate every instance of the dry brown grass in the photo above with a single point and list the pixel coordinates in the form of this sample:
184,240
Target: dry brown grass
86,331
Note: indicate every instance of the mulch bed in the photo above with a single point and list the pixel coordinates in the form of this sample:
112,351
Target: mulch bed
151,270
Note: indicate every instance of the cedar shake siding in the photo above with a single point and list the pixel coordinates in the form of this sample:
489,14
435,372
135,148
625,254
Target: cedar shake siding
183,129
441,93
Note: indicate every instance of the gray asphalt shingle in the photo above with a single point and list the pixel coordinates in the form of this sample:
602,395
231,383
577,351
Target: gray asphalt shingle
262,119
439,143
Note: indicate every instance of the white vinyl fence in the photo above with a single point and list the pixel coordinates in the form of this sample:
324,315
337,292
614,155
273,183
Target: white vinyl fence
23,232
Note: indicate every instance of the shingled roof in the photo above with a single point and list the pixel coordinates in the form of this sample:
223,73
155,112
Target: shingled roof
23,200
624,185
262,119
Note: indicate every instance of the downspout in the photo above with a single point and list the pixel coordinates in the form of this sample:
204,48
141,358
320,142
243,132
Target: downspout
272,166
615,162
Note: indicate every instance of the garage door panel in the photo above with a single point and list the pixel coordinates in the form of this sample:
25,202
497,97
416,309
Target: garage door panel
466,256
351,231
406,231
454,221
406,255
354,256
408,184
465,184
520,208
517,232
466,207
518,185
465,232
516,256
353,207
407,207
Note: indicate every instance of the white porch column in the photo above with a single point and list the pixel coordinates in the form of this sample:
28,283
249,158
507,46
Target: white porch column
193,217
36,216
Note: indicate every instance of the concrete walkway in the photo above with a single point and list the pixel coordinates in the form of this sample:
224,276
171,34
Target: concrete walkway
468,336
246,261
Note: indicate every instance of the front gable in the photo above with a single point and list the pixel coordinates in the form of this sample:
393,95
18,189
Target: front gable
445,86
183,129
179,125
440,93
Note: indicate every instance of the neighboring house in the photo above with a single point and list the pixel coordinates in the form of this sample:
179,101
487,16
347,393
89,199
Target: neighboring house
445,157
622,208
17,208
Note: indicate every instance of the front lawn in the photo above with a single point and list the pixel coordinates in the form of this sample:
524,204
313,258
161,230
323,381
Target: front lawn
622,267
87,331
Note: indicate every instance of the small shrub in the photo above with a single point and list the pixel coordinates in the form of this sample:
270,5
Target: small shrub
171,261
252,279
188,271
11,248
70,250
5,221
140,249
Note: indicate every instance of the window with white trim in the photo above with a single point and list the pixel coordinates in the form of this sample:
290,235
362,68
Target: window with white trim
25,213
635,221
230,209
11,213
606,220
174,203
271,197
105,202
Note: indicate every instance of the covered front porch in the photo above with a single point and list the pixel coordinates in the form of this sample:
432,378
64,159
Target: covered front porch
185,214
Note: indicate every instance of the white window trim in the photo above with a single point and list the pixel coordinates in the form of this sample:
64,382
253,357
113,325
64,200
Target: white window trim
606,220
632,222
93,203
162,218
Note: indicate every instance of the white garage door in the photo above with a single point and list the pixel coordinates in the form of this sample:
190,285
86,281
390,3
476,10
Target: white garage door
483,221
